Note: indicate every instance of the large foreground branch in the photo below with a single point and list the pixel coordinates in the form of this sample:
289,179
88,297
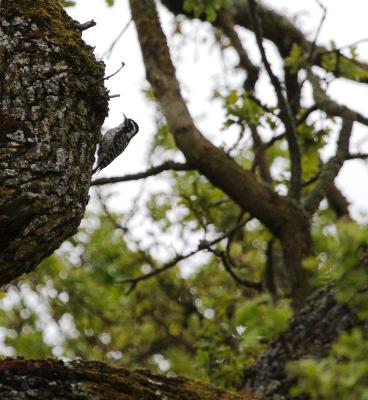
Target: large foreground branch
54,380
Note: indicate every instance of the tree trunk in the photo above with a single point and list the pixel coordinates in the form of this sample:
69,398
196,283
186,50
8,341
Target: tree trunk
54,380
52,105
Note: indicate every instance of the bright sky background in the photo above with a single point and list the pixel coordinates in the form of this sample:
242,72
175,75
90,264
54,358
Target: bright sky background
199,67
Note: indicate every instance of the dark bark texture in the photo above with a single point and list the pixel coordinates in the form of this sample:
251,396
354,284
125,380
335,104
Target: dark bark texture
54,380
311,333
52,105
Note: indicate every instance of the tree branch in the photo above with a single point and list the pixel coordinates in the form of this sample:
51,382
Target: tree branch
357,156
285,111
330,170
331,107
226,23
202,245
240,185
277,27
166,166
229,268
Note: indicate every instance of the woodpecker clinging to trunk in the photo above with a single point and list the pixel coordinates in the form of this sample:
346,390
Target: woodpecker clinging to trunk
114,142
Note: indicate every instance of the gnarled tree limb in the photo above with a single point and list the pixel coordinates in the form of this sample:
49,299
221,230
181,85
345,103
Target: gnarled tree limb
284,217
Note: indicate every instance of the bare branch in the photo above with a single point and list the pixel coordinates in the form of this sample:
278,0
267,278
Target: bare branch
331,107
313,46
108,52
225,21
277,27
85,25
330,170
115,73
338,202
357,156
285,112
261,149
203,245
229,268
166,166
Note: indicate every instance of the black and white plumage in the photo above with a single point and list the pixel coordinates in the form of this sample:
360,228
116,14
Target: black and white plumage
114,142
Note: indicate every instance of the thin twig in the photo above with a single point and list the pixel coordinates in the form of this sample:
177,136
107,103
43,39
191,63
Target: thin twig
357,156
116,72
113,96
85,25
203,245
346,46
313,47
264,147
108,52
166,166
285,112
229,268
226,23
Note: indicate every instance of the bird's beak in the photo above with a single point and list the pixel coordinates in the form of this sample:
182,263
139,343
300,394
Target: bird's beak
125,118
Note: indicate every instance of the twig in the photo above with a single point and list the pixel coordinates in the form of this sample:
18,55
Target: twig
357,156
285,112
229,268
85,25
306,114
261,149
264,147
113,96
329,106
172,263
330,169
226,23
166,166
115,73
346,46
313,47
110,49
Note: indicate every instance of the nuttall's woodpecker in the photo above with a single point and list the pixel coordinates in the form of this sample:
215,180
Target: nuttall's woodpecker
114,142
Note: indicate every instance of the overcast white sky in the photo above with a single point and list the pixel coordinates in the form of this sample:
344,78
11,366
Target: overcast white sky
200,67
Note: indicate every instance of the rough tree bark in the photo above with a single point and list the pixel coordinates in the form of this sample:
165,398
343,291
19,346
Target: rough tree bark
52,105
54,380
311,333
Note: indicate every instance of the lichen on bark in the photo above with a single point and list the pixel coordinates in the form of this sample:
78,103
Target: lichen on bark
52,105
54,380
